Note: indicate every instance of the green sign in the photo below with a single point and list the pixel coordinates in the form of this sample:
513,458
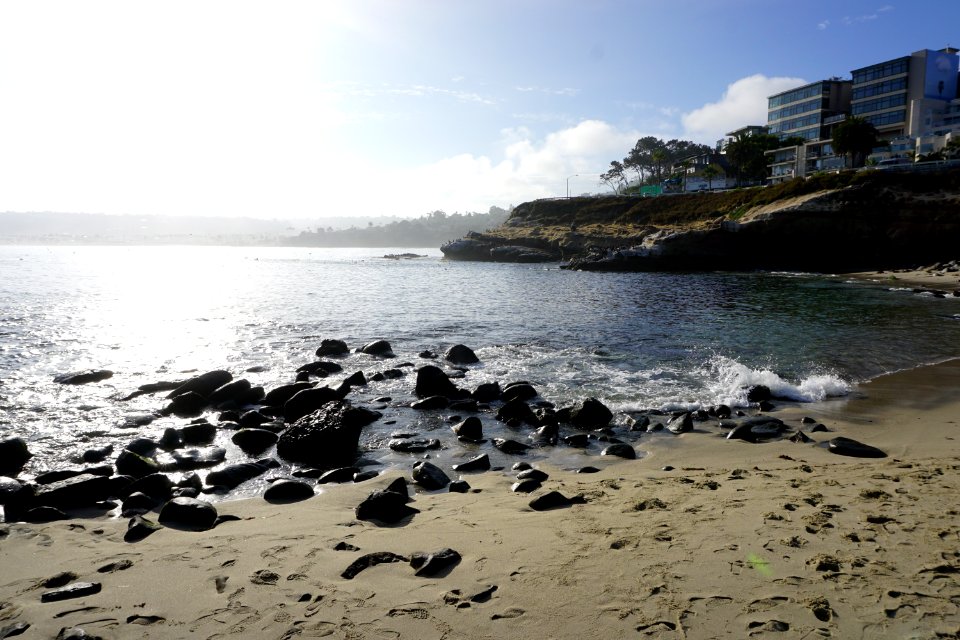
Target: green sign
653,190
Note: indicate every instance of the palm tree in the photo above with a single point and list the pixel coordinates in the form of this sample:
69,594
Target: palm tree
856,138
659,156
710,172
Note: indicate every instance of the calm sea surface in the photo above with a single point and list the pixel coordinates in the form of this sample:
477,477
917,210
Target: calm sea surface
633,340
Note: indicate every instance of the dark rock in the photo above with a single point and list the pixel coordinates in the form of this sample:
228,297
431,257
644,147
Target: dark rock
640,424
759,393
142,446
279,396
137,504
849,447
192,459
83,377
590,414
464,406
254,441
379,348
520,254
521,391
480,463
807,420
199,432
332,347
287,491
188,514
511,447
170,439
363,476
545,436
75,590
432,381
553,500
460,354
521,466
533,474
588,470
819,428
427,355
525,486
203,385
307,401
75,633
429,476
56,475
97,455
758,429
431,403
487,392
320,368
132,464
385,506
13,456
186,405
620,450
577,440
517,410
356,379
681,424
387,374
800,437
9,489
459,486
234,475
139,528
470,429
14,629
766,405
157,486
341,475
326,438
416,445
429,565
234,394
370,560
251,419
721,411
44,514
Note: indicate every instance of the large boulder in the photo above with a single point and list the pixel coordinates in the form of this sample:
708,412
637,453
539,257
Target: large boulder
186,405
79,491
133,464
590,414
517,410
204,384
519,391
429,476
758,429
487,392
380,348
332,347
307,401
432,381
287,491
254,441
189,514
13,455
326,438
461,354
279,396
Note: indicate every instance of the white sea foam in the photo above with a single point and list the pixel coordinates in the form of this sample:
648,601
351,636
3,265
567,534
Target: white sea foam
733,379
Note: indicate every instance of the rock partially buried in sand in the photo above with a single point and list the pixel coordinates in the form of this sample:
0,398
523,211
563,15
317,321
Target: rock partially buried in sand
370,560
287,491
554,500
385,506
480,463
188,514
427,565
852,448
429,476
75,590
139,528
620,450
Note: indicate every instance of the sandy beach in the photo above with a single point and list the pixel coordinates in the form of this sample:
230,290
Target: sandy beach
702,538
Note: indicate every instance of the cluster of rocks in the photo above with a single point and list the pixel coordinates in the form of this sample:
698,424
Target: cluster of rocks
316,430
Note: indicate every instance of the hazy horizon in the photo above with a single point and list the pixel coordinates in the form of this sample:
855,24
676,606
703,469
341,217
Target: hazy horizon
308,110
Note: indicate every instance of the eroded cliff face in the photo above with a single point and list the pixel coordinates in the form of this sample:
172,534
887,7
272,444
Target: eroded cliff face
869,225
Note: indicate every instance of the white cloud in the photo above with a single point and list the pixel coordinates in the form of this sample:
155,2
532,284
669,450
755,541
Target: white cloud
743,103
823,25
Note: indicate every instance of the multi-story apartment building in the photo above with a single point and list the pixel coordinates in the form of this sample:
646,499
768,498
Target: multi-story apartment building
808,113
912,101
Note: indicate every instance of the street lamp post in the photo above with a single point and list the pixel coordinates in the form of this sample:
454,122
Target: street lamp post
568,182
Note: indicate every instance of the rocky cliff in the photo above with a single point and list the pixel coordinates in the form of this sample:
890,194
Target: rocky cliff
852,221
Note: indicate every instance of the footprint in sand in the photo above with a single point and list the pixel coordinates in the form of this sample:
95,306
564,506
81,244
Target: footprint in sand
145,620
512,612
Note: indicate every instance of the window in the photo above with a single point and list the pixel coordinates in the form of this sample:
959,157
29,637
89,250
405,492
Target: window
894,117
877,71
887,86
879,105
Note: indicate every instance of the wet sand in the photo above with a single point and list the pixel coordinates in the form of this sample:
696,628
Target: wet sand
738,540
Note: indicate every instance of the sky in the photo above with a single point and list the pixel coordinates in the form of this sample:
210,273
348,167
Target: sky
299,109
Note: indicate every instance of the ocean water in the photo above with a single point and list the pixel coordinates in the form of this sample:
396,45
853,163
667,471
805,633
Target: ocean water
635,341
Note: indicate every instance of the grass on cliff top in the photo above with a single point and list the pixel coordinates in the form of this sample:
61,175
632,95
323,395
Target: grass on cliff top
691,209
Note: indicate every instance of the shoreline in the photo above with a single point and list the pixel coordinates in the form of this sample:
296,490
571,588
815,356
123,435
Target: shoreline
745,538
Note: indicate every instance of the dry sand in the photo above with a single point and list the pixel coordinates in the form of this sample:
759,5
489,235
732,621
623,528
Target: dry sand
738,540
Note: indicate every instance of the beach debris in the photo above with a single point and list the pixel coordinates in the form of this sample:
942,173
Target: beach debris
370,560
189,514
429,476
74,590
848,447
432,564
287,491
461,354
83,377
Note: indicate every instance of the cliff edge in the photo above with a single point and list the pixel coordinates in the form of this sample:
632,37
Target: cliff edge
839,222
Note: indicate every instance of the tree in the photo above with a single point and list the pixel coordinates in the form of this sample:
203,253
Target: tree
710,172
746,156
614,178
855,138
659,157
